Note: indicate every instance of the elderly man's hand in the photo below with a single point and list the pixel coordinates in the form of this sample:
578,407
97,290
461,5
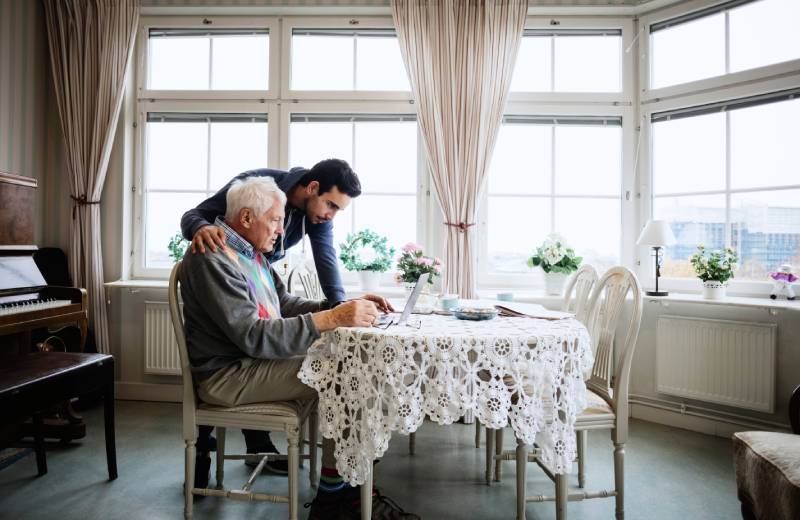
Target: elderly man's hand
208,236
355,313
382,303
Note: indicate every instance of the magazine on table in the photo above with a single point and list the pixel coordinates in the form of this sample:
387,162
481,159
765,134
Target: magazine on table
529,310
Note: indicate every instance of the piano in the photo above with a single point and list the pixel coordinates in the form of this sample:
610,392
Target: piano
26,301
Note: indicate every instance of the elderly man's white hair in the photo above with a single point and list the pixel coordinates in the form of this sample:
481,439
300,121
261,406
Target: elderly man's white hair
256,193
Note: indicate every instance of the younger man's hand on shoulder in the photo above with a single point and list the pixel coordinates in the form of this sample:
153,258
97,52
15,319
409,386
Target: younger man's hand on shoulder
208,236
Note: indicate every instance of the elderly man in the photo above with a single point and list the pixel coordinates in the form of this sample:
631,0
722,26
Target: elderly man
245,333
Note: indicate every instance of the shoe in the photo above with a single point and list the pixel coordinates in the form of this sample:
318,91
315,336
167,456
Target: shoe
384,508
202,470
278,467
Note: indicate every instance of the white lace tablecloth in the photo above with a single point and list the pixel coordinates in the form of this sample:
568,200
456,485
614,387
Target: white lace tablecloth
519,371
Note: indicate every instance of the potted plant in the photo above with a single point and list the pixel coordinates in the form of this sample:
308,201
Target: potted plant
714,268
413,263
557,260
177,247
367,253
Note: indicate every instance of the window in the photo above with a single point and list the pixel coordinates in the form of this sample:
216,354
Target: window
731,37
569,61
537,182
202,59
189,157
344,59
382,150
726,174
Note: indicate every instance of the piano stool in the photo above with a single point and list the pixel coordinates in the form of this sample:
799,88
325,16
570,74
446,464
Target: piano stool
32,383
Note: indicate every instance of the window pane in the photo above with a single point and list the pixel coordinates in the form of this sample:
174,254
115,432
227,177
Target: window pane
176,156
236,147
592,227
163,212
532,72
588,63
694,220
386,156
393,216
310,143
689,154
240,62
763,33
322,62
178,63
764,149
509,249
765,230
521,162
688,52
379,64
597,168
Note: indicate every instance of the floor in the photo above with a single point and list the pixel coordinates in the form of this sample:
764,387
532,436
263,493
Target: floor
670,474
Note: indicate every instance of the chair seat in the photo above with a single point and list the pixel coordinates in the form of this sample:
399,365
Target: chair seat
768,472
277,408
597,410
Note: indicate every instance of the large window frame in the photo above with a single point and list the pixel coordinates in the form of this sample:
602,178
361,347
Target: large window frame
729,87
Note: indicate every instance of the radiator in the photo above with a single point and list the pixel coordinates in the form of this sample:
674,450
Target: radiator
161,350
719,361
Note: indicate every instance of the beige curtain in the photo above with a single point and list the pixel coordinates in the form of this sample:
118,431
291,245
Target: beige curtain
460,56
91,44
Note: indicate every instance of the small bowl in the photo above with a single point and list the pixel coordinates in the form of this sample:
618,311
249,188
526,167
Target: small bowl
475,313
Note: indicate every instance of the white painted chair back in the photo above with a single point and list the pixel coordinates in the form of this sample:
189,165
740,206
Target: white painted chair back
189,395
581,285
607,306
308,279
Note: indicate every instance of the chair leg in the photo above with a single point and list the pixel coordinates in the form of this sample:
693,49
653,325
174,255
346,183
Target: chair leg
220,457
477,433
489,455
189,479
562,489
498,450
619,479
366,496
412,443
313,428
304,434
294,458
581,457
522,466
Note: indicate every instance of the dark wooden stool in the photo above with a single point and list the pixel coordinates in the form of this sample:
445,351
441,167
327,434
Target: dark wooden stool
35,382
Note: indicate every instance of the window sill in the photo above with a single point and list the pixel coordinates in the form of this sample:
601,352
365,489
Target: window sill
729,301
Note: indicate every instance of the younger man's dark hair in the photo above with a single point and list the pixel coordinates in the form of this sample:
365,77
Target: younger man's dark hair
330,173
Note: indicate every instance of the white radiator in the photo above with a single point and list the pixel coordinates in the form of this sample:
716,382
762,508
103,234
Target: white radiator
161,350
719,361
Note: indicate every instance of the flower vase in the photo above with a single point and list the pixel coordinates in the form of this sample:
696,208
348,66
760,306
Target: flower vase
714,290
554,283
369,280
424,300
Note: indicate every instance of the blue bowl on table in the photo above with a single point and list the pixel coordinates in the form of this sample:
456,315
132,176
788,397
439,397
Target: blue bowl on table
475,313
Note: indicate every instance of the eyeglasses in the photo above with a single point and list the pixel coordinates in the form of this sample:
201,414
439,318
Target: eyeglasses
414,323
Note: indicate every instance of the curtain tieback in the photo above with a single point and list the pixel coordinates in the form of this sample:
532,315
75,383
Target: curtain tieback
462,226
80,201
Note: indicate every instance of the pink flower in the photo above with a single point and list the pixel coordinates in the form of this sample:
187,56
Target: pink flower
411,247
436,261
425,261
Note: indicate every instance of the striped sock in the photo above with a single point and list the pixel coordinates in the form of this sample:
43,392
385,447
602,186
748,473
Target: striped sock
330,481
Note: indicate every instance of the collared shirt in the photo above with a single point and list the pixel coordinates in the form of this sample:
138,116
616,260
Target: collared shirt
255,268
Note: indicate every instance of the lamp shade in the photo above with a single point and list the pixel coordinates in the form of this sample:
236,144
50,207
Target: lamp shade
656,233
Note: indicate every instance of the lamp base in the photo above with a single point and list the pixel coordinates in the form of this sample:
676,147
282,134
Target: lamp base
656,293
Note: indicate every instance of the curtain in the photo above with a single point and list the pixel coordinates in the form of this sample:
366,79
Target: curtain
459,56
91,45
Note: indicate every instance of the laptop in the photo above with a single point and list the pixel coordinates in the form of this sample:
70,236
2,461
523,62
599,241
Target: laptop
401,319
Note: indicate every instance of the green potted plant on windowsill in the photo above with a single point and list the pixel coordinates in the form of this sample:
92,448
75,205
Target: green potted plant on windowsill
368,254
177,247
714,268
557,260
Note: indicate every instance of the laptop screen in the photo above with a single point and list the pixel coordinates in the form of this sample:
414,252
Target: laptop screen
412,300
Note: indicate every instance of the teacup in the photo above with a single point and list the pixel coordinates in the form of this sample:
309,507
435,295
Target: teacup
448,301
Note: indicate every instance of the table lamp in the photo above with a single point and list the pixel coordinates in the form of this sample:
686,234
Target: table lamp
656,234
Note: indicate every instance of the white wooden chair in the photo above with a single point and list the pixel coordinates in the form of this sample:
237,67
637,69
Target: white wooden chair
607,390
580,285
309,280
286,416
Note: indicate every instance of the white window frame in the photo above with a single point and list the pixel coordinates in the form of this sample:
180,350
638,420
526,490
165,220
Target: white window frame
753,82
605,104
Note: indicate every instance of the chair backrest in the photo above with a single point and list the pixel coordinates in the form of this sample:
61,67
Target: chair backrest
606,304
189,396
308,279
581,284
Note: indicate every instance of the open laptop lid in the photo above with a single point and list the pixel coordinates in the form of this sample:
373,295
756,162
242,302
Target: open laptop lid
412,300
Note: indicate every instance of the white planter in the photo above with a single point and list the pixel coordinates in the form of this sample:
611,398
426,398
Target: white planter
714,290
554,283
369,280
